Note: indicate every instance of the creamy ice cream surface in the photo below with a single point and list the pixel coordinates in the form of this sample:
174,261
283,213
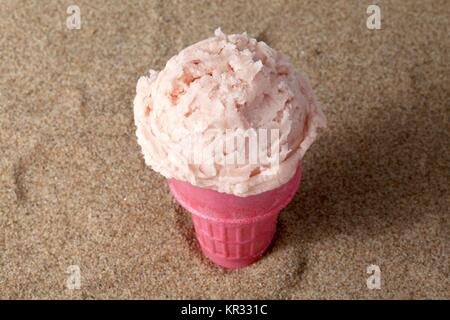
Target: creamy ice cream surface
225,85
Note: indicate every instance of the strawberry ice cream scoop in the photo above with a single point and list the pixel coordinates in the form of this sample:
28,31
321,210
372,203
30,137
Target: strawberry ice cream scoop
222,84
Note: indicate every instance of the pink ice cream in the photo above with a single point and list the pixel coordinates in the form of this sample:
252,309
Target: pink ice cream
226,82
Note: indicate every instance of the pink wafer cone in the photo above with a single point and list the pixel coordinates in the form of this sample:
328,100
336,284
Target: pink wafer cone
234,231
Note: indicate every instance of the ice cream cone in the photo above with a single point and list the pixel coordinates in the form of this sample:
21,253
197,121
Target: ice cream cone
233,231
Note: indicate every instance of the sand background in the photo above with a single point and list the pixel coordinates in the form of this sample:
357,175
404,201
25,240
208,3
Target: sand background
74,189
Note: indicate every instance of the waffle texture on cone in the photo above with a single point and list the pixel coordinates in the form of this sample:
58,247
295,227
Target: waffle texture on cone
233,231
